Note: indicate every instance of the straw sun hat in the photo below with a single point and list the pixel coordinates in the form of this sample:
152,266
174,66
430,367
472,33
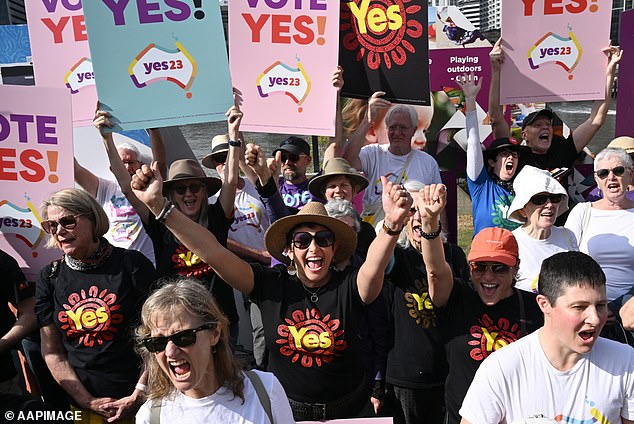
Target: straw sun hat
185,169
313,213
333,168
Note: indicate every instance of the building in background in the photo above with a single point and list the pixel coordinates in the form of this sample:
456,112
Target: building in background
12,12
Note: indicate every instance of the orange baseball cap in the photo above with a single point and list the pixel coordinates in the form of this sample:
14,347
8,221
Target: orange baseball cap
494,245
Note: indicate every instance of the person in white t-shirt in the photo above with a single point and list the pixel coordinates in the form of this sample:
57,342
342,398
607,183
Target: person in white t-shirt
563,372
193,374
539,200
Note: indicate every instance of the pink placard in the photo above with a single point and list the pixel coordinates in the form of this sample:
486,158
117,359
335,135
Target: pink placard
553,50
282,56
352,421
36,159
61,58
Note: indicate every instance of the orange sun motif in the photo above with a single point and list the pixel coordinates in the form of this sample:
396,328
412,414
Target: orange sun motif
90,316
389,46
490,337
311,337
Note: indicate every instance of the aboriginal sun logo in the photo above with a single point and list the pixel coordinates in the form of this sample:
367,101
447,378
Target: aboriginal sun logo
90,316
310,338
490,336
380,30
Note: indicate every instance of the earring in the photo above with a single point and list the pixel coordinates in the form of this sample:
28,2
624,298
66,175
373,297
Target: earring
291,269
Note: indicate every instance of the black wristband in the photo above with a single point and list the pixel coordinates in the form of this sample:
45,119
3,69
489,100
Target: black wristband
433,234
266,190
235,143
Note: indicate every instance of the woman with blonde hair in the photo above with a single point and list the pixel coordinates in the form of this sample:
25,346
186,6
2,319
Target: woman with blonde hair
184,341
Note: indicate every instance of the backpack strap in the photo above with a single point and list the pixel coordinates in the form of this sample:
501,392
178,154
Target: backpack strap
265,400
155,411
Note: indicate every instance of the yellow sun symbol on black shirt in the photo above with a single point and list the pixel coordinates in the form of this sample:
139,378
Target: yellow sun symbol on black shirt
420,306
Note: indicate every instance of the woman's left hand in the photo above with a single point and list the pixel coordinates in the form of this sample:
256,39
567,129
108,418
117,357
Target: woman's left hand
124,407
396,203
147,185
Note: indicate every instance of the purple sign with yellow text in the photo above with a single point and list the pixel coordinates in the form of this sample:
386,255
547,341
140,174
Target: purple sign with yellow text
553,50
283,54
36,159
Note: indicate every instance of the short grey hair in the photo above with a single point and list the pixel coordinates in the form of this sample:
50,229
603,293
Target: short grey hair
614,152
407,109
339,208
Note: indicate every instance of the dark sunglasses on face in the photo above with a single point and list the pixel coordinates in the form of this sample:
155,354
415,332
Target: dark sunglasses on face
541,199
181,339
221,158
182,189
481,267
290,156
302,239
603,173
68,222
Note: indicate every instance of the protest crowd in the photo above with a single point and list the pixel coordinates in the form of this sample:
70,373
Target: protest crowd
360,304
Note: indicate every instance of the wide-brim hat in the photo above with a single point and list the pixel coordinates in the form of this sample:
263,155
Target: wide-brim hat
531,117
186,169
333,168
503,143
219,144
312,213
529,182
624,142
494,244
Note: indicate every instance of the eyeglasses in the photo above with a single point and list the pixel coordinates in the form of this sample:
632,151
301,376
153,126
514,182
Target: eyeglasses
130,162
220,158
401,128
181,339
506,153
540,199
290,156
482,267
67,222
603,173
302,239
182,189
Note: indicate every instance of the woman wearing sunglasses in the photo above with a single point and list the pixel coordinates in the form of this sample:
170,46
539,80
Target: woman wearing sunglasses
473,324
605,228
184,341
312,311
539,200
86,306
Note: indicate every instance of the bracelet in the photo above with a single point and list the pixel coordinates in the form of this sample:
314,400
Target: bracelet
167,213
433,234
236,143
166,206
391,232
141,387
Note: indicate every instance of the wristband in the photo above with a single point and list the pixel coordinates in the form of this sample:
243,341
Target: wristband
391,232
433,234
141,387
166,204
235,143
166,214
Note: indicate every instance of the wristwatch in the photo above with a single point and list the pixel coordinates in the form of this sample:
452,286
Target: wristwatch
235,143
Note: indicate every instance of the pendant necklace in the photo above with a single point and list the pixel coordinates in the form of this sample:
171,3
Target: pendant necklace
313,295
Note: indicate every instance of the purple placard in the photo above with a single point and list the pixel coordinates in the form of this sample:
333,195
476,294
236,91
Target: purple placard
624,104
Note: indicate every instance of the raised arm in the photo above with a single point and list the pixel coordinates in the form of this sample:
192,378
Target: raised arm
267,189
396,204
430,202
227,195
499,125
356,141
147,185
25,324
101,120
86,179
335,147
470,88
584,132
158,149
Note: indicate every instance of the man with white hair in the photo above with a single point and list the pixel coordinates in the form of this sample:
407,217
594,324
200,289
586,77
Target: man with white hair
396,160
126,229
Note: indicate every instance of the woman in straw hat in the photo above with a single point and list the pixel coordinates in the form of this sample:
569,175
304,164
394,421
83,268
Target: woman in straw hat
313,311
473,323
539,200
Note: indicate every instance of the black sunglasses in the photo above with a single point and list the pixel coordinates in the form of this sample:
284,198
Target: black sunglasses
302,239
68,222
482,267
603,173
181,339
182,189
220,158
540,199
290,156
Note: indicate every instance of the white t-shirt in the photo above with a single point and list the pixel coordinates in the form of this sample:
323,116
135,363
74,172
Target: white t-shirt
518,382
223,407
609,239
533,252
126,229
376,161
